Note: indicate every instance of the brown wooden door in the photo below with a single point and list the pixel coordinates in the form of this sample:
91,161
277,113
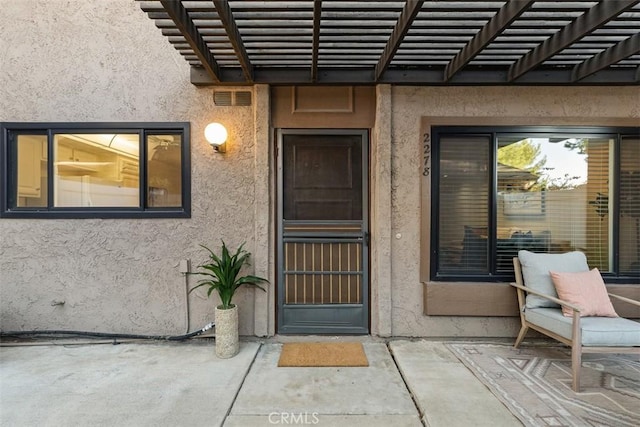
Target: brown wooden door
323,253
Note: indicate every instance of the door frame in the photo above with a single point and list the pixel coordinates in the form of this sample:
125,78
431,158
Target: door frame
364,238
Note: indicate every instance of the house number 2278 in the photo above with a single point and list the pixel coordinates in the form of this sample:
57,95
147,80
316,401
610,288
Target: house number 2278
426,153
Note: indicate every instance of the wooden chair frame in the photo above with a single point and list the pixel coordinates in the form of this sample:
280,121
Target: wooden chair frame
577,349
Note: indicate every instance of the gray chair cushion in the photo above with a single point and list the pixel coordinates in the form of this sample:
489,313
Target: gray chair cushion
535,272
596,331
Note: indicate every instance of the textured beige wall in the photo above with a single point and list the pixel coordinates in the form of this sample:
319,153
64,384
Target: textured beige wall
73,61
380,213
79,61
411,107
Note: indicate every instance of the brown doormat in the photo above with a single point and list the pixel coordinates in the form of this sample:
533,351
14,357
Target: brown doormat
321,354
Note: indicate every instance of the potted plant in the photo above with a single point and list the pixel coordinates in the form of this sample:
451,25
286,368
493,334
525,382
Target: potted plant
222,274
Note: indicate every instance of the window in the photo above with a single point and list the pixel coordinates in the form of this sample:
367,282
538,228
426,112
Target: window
550,190
95,170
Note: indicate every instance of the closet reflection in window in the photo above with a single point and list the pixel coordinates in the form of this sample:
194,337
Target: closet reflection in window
164,170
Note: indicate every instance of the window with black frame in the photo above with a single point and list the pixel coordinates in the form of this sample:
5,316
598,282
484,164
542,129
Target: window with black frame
96,170
501,190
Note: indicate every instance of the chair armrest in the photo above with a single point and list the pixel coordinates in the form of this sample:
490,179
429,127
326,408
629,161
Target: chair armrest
625,299
549,297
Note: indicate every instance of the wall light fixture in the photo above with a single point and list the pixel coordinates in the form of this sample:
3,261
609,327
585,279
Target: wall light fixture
216,135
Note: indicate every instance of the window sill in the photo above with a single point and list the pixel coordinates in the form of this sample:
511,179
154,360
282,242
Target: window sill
499,299
469,299
99,214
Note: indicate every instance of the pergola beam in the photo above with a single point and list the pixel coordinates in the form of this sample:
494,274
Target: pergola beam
317,17
465,77
229,24
584,24
501,20
187,28
615,53
408,14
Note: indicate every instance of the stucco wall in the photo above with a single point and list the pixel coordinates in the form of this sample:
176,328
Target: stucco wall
75,61
551,105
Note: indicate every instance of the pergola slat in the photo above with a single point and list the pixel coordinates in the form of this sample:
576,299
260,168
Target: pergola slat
226,17
408,14
180,17
584,24
616,53
501,20
317,16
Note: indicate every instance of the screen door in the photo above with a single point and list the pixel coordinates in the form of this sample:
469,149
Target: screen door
323,232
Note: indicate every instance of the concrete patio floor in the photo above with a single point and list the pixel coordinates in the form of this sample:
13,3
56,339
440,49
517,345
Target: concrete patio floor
407,383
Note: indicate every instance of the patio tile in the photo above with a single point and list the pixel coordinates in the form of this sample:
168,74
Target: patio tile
322,420
446,392
138,384
374,390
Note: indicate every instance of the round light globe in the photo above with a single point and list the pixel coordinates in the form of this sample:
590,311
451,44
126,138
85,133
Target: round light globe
215,133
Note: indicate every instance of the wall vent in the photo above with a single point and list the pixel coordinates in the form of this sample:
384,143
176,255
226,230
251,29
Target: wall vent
232,98
243,98
222,99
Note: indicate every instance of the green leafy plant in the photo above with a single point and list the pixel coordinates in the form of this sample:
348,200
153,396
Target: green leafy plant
222,274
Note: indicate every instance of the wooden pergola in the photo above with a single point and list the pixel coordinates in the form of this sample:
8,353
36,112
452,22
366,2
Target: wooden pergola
412,42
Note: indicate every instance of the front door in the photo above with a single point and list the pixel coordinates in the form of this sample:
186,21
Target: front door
323,285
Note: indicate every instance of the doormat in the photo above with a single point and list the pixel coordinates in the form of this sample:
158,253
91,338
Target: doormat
321,354
534,382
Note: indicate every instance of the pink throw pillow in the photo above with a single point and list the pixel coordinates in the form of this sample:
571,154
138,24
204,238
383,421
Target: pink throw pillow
585,289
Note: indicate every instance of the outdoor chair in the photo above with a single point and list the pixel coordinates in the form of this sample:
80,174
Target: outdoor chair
542,309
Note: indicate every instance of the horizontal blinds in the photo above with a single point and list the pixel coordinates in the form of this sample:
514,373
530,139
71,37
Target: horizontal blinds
630,205
553,197
465,182
553,193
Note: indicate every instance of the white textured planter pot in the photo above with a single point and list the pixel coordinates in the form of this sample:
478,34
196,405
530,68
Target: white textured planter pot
227,344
